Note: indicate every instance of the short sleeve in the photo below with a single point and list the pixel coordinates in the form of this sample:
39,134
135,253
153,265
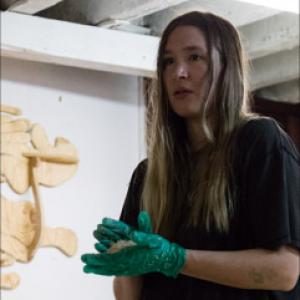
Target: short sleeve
270,185
131,206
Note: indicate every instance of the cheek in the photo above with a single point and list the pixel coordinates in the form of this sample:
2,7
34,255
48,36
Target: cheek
200,72
167,85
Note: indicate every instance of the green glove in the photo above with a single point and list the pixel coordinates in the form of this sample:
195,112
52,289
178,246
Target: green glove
106,235
152,252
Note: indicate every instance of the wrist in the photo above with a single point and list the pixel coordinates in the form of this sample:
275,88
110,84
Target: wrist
185,267
175,260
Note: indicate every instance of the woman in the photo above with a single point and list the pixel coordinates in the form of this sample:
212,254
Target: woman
220,185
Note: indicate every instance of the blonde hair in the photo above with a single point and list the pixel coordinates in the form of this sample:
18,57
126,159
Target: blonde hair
171,184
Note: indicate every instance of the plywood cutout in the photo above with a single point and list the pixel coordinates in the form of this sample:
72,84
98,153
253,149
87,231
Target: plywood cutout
29,160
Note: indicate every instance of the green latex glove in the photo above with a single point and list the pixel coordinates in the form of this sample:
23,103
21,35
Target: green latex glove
152,252
107,235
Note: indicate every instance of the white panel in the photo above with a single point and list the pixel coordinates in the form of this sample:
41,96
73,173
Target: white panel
65,43
100,113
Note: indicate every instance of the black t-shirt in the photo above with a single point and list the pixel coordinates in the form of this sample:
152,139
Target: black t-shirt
267,215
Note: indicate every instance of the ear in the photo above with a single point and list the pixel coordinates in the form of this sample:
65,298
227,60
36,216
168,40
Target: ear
144,222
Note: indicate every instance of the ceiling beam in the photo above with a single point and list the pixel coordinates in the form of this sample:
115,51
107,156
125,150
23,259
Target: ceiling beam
283,92
31,7
287,5
276,68
273,34
236,12
64,43
99,11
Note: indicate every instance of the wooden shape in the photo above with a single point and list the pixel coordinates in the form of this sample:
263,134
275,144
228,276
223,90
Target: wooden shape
20,125
14,248
61,238
18,220
20,228
10,110
9,281
6,259
54,157
14,149
15,170
15,137
38,209
52,174
4,119
39,138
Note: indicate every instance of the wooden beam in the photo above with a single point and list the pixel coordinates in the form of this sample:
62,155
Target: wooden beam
64,43
98,11
277,33
273,69
31,7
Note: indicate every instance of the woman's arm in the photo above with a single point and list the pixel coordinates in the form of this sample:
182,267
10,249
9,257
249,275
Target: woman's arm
248,269
128,288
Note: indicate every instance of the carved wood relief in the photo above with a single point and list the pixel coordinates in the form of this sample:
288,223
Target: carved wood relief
29,160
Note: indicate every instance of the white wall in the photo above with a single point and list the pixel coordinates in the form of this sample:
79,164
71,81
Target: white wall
100,113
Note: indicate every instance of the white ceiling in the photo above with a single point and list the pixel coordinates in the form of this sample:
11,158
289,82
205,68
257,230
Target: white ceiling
270,36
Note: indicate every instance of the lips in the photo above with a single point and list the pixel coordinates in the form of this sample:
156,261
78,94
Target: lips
182,92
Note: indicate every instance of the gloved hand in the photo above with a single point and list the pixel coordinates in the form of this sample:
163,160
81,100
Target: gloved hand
108,235
152,252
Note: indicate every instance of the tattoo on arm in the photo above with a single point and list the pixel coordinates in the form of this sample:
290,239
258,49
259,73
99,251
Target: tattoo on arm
257,277
261,277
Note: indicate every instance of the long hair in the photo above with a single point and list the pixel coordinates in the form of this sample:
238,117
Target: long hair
172,184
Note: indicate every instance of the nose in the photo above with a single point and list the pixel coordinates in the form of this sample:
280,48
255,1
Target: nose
181,71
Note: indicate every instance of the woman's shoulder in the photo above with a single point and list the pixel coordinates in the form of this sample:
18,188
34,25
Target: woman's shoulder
260,128
142,166
140,171
264,135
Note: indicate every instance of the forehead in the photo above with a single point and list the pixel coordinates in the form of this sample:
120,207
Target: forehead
185,38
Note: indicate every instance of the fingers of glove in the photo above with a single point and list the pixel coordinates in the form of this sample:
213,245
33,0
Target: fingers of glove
107,243
98,235
102,248
100,259
144,222
98,270
118,227
105,233
90,259
148,240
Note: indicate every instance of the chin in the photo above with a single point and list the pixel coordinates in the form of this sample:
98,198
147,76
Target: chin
187,114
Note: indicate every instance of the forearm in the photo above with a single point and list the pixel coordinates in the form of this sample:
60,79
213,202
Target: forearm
248,269
128,288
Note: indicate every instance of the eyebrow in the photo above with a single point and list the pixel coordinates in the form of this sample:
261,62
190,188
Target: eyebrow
188,48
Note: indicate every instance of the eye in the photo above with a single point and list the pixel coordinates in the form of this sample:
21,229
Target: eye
195,57
168,61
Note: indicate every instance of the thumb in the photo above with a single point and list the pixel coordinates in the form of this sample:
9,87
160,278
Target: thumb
140,238
144,222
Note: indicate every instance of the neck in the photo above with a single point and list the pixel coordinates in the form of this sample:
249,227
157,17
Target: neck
196,136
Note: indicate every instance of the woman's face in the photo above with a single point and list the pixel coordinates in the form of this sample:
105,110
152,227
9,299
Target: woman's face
186,70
